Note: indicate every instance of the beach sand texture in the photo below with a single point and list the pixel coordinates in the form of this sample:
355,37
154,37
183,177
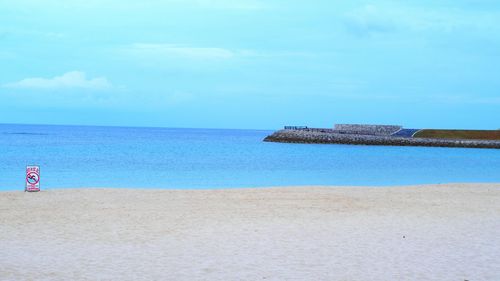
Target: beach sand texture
434,232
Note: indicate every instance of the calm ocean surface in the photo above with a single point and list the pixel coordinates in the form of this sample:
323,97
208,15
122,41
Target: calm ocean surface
81,156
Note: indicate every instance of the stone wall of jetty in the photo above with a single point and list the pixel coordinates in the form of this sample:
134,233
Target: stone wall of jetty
362,129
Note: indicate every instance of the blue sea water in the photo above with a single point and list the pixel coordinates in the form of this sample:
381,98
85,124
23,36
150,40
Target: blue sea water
86,156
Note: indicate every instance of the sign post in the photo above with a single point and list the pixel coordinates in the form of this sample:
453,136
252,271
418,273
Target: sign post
32,178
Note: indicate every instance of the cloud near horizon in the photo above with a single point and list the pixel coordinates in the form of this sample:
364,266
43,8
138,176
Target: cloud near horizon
157,51
71,79
179,51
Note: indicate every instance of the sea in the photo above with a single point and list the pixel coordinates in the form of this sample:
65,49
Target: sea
178,158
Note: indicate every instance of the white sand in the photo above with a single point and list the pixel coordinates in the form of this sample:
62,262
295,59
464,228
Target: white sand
440,232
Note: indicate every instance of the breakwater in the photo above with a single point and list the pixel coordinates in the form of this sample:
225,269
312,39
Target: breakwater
371,135
360,129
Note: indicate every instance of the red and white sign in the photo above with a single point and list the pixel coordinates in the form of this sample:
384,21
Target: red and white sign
32,178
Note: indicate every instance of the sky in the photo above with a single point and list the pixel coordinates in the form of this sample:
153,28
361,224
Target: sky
250,63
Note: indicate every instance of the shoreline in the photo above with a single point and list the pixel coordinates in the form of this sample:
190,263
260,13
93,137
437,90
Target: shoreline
428,232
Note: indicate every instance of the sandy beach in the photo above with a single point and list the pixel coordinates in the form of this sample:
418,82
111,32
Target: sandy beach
434,232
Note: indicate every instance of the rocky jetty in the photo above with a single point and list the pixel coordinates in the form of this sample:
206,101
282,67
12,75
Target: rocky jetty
371,135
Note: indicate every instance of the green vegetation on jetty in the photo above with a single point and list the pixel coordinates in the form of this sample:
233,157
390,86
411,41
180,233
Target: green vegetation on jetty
459,134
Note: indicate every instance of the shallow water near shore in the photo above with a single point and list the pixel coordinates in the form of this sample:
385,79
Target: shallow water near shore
86,156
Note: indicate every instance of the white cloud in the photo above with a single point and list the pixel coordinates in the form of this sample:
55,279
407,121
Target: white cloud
155,51
369,19
72,79
179,51
6,55
85,5
231,4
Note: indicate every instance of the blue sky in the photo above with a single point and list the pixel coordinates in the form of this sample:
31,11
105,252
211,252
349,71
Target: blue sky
250,63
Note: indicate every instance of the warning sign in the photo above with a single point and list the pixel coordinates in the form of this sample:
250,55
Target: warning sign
32,178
